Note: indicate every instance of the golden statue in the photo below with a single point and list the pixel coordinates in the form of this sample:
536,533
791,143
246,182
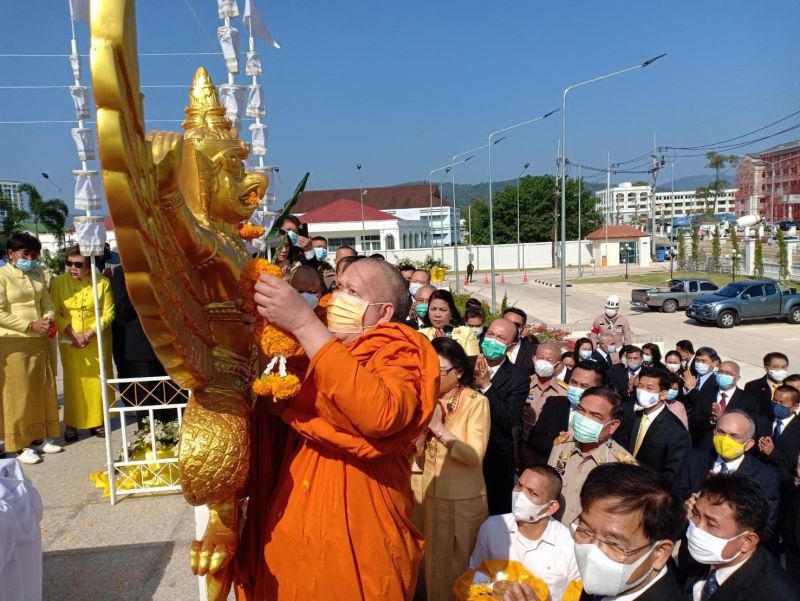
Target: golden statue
176,201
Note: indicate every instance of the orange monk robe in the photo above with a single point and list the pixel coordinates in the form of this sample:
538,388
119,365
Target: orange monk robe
339,525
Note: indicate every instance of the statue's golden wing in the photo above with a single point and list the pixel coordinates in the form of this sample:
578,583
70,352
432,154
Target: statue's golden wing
162,283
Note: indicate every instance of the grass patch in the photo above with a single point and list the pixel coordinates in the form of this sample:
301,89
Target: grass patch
655,278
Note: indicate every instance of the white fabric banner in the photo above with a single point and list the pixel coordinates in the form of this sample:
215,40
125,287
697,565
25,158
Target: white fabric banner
75,65
258,138
227,8
231,96
90,233
79,10
255,101
252,68
80,98
229,42
84,141
87,190
270,200
252,19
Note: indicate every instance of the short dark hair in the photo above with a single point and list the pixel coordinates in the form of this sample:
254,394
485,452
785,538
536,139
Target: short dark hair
474,312
654,351
23,241
685,345
671,353
516,311
378,256
610,395
788,390
73,251
554,482
567,355
455,354
792,378
320,239
591,366
770,356
633,488
473,302
345,247
707,351
446,296
744,496
664,378
407,267
631,348
295,220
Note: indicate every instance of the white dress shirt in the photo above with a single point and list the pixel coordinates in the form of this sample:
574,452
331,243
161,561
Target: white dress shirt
651,417
722,575
728,394
636,594
551,558
733,465
514,351
785,420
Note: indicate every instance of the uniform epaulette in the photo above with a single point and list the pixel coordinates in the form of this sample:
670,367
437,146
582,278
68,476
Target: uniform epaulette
561,439
562,383
624,457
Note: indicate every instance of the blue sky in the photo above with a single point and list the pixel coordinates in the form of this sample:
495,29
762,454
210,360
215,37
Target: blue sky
401,86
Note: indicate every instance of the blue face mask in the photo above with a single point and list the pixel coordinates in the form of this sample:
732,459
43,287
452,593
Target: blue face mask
574,394
492,349
724,381
611,349
585,430
701,368
320,252
672,394
585,354
26,264
311,299
292,235
421,309
780,411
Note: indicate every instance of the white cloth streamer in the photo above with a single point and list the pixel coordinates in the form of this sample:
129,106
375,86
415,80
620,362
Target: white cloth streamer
255,101
91,235
229,42
84,141
252,68
258,138
80,98
87,190
227,8
75,65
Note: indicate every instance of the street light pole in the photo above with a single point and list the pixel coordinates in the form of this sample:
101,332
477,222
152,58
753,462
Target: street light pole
430,215
47,177
456,222
580,238
361,188
564,173
524,168
672,218
491,200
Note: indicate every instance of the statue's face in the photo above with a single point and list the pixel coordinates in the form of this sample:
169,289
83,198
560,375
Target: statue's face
234,192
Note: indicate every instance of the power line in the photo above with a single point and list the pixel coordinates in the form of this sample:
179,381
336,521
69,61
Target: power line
723,142
28,55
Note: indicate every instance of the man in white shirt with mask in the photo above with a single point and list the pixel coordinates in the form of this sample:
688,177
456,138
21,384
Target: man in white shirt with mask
529,534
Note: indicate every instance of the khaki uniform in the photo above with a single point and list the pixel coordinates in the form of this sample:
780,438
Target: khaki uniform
537,397
568,461
618,326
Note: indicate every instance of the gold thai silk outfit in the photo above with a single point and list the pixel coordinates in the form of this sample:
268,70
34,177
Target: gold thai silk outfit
74,306
28,403
454,505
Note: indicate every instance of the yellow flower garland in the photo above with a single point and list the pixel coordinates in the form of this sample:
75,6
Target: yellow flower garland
249,231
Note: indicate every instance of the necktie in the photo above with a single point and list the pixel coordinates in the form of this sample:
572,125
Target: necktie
723,401
711,586
776,433
640,435
723,468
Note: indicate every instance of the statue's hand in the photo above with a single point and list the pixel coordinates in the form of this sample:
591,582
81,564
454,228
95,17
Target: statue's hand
167,154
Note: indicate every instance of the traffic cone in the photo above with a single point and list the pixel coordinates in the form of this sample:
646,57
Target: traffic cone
525,278
466,280
502,278
486,279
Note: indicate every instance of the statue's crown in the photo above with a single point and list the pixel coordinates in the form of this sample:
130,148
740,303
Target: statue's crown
205,116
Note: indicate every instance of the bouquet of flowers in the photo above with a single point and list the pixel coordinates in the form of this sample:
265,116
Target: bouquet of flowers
492,579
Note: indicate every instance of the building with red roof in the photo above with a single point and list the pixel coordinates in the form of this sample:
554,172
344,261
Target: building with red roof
620,244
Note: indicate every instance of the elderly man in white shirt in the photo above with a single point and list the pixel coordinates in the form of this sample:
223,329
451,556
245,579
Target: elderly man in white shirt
529,534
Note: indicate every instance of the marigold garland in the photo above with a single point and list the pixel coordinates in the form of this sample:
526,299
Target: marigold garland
249,231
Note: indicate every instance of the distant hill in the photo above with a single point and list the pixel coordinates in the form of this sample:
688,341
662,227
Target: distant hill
692,182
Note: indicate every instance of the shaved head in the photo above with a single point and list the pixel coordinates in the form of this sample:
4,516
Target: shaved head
421,276
730,367
387,285
550,351
307,279
503,330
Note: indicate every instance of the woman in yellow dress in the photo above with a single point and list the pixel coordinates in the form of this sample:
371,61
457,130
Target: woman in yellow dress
443,320
28,404
74,317
454,504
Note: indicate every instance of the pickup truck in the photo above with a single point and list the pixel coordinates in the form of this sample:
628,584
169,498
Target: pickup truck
672,294
746,300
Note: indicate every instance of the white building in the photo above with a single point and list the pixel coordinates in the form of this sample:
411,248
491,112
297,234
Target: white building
631,204
10,189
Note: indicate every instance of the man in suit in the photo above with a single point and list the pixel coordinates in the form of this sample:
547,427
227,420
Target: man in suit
506,387
622,377
603,353
727,520
782,446
712,401
557,412
706,362
630,506
776,366
419,307
521,354
658,439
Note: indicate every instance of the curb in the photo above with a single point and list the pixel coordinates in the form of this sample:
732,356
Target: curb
549,284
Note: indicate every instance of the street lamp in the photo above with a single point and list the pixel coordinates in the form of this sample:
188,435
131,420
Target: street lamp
672,238
456,220
734,261
627,248
361,188
47,177
491,200
519,246
564,173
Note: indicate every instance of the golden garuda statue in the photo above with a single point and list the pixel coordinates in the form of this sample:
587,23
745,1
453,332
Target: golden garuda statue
176,200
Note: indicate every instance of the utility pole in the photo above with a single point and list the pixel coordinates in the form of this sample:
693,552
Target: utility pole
658,163
556,196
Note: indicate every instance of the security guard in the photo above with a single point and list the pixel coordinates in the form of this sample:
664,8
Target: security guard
588,444
611,322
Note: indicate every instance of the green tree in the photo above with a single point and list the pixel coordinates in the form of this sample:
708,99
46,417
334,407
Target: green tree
695,245
52,213
758,259
783,256
735,254
718,162
704,194
716,248
681,250
13,217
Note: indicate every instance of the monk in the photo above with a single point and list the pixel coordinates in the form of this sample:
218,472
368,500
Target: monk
338,526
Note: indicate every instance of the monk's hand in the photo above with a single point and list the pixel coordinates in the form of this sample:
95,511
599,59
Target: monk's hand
519,592
281,304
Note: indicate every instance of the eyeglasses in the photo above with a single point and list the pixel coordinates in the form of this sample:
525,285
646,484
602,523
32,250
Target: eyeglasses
77,264
613,550
444,372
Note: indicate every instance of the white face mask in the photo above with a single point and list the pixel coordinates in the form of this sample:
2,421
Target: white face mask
706,548
602,575
611,312
646,399
478,330
778,375
544,369
414,288
647,359
526,510
673,367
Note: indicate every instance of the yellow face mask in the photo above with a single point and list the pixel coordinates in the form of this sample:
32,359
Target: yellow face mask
345,313
727,447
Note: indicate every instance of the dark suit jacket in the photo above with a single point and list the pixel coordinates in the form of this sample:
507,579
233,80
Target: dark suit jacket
507,396
601,360
697,467
524,360
665,589
784,457
760,577
618,379
131,343
553,420
700,426
761,392
665,446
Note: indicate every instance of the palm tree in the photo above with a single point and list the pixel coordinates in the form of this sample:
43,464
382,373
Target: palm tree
717,162
13,217
52,213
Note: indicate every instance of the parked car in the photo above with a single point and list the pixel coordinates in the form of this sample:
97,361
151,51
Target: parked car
672,294
746,300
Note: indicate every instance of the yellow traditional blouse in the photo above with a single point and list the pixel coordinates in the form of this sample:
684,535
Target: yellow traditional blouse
464,335
23,299
74,303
